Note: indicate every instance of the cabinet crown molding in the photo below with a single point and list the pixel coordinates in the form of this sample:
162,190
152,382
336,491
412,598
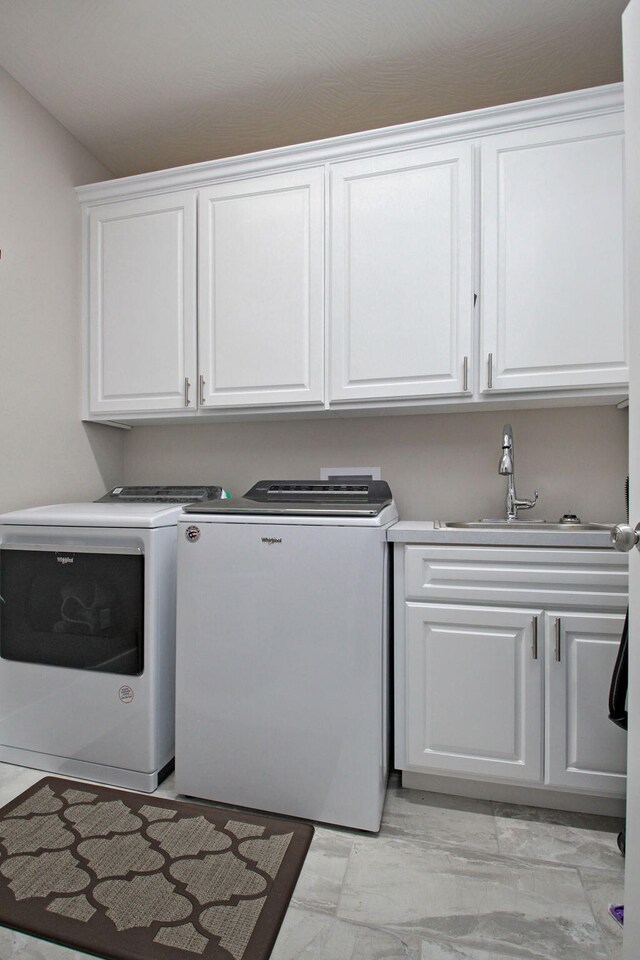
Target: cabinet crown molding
559,107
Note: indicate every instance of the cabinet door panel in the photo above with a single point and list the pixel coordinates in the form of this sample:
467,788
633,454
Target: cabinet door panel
401,274
552,256
261,316
142,303
473,691
584,749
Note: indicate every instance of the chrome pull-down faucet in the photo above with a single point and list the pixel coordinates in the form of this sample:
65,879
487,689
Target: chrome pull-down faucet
506,469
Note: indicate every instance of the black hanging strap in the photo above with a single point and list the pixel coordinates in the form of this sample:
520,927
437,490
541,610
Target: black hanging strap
618,689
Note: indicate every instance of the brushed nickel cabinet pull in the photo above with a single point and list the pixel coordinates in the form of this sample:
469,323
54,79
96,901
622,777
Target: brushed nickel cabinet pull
465,374
187,384
534,643
490,371
201,390
558,635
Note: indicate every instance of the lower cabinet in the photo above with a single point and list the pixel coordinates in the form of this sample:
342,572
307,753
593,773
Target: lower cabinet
508,693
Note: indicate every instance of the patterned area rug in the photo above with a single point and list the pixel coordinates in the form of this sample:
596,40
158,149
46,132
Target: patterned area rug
131,877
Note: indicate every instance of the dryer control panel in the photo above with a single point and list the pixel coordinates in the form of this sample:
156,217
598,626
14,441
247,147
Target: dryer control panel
149,494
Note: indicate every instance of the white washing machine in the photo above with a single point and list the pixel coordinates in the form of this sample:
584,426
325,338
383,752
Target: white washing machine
87,635
282,650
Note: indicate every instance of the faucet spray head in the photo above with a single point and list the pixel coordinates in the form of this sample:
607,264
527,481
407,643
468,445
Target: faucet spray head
505,467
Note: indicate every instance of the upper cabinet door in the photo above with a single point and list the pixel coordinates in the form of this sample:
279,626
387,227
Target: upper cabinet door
142,305
402,274
261,290
552,257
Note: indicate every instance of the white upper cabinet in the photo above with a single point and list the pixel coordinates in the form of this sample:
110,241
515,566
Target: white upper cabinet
261,290
401,255
521,205
142,304
552,257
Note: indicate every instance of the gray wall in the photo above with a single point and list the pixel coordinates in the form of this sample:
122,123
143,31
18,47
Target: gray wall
438,465
46,454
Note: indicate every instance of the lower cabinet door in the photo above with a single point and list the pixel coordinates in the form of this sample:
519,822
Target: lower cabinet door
584,749
474,691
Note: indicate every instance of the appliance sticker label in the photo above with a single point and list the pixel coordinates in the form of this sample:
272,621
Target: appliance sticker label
125,693
192,533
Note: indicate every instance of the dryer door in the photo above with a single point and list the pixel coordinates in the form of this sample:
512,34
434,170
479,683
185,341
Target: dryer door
80,608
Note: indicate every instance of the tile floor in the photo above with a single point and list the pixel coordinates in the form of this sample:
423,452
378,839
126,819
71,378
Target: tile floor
445,879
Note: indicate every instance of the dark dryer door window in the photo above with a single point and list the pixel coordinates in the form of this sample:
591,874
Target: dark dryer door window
81,609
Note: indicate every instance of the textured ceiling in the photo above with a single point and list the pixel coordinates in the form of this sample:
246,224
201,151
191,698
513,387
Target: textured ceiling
149,84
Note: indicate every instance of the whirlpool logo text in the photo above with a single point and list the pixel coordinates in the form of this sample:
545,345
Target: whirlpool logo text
272,540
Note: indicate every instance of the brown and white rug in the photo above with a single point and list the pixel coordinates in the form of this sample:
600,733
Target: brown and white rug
132,877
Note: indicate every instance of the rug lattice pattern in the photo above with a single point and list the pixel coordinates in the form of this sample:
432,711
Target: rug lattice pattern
131,877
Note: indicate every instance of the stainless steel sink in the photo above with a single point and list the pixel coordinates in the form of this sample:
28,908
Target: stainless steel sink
515,525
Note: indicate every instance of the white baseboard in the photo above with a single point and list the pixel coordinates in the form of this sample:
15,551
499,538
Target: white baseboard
512,793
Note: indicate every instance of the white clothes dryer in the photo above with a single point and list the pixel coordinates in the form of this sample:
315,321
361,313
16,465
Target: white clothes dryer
87,635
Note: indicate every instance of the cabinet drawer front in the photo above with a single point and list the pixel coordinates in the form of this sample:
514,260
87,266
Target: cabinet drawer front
585,579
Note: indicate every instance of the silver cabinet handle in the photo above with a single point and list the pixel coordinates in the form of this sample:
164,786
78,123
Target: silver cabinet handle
558,636
534,642
465,374
624,537
187,384
201,390
490,371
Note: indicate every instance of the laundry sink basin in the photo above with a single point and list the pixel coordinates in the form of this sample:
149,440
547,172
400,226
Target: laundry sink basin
516,525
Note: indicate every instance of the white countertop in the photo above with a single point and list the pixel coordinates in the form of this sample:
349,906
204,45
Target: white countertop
425,531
